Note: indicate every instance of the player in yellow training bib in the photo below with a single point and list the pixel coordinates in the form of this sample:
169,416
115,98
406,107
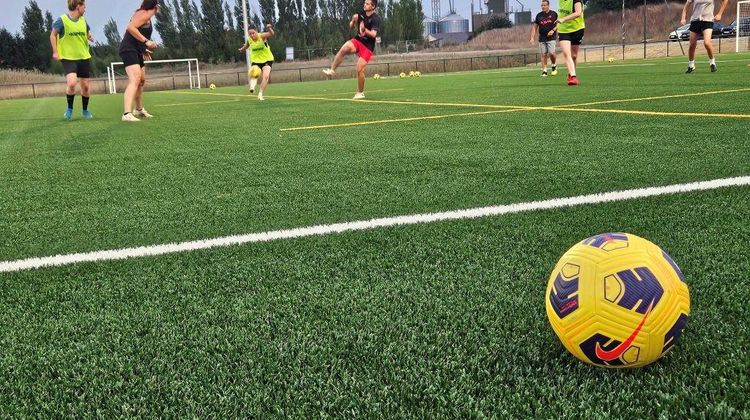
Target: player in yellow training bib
570,26
70,38
260,57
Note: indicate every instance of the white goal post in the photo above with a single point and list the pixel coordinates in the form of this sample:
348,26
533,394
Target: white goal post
742,30
194,75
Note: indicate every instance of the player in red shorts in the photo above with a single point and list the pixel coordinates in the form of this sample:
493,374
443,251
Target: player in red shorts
363,44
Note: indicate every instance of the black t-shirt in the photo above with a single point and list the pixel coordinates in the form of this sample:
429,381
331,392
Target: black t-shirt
546,23
371,22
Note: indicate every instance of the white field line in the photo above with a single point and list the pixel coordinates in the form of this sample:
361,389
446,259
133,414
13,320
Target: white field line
318,230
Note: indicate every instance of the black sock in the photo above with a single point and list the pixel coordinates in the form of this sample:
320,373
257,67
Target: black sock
85,102
70,100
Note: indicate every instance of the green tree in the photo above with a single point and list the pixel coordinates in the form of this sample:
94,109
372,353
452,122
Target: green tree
213,45
37,52
10,50
167,28
111,33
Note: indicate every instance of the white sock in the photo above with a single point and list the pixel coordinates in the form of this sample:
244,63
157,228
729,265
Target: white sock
691,63
544,69
253,82
712,61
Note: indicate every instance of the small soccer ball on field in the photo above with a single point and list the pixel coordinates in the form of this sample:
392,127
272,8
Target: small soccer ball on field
611,59
402,75
418,74
212,86
412,74
376,76
617,300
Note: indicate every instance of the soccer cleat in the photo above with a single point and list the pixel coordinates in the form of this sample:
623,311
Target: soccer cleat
252,90
329,72
260,97
554,71
713,68
359,95
690,70
544,73
87,114
573,81
68,115
142,113
129,117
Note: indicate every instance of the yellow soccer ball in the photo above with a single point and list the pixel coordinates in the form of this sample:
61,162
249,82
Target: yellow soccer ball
402,75
611,59
418,73
617,300
212,86
376,76
254,72
412,74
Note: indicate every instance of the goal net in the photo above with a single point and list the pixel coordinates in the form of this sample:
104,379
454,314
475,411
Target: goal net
160,75
742,26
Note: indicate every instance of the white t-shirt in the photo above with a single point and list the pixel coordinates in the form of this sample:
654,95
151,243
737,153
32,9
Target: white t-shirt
702,10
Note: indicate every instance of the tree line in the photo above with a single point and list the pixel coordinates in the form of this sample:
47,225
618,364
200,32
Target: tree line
214,31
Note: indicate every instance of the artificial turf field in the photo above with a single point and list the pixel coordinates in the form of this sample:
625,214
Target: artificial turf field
441,319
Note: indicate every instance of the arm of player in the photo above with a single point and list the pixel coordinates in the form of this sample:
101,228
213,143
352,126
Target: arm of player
140,19
268,33
577,11
683,20
533,32
721,10
53,42
355,19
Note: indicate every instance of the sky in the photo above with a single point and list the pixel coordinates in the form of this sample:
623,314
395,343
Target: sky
98,12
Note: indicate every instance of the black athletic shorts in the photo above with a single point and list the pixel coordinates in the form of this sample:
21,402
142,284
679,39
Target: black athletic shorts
261,65
82,68
698,26
131,58
575,38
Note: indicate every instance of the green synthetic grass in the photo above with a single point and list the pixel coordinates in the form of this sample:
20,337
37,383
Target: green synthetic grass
435,320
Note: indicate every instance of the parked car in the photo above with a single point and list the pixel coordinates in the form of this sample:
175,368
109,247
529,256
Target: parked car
717,33
731,29
677,33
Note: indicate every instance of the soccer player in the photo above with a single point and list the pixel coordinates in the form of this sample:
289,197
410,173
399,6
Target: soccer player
570,26
545,23
136,47
702,22
70,38
260,55
363,44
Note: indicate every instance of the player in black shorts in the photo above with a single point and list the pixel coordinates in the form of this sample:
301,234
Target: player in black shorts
702,23
136,47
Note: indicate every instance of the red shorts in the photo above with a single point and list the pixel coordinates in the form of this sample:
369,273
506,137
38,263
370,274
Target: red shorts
362,51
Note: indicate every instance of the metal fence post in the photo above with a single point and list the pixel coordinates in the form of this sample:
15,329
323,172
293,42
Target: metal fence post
300,74
471,63
388,69
173,84
33,90
444,66
498,61
603,53
585,60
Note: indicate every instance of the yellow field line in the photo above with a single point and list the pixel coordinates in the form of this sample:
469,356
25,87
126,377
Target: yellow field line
650,98
654,113
201,103
430,117
461,105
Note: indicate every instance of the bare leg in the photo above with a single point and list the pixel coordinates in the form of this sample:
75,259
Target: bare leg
85,87
544,60
346,49
553,58
574,54
139,91
134,79
265,80
707,42
693,43
361,66
71,79
567,55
